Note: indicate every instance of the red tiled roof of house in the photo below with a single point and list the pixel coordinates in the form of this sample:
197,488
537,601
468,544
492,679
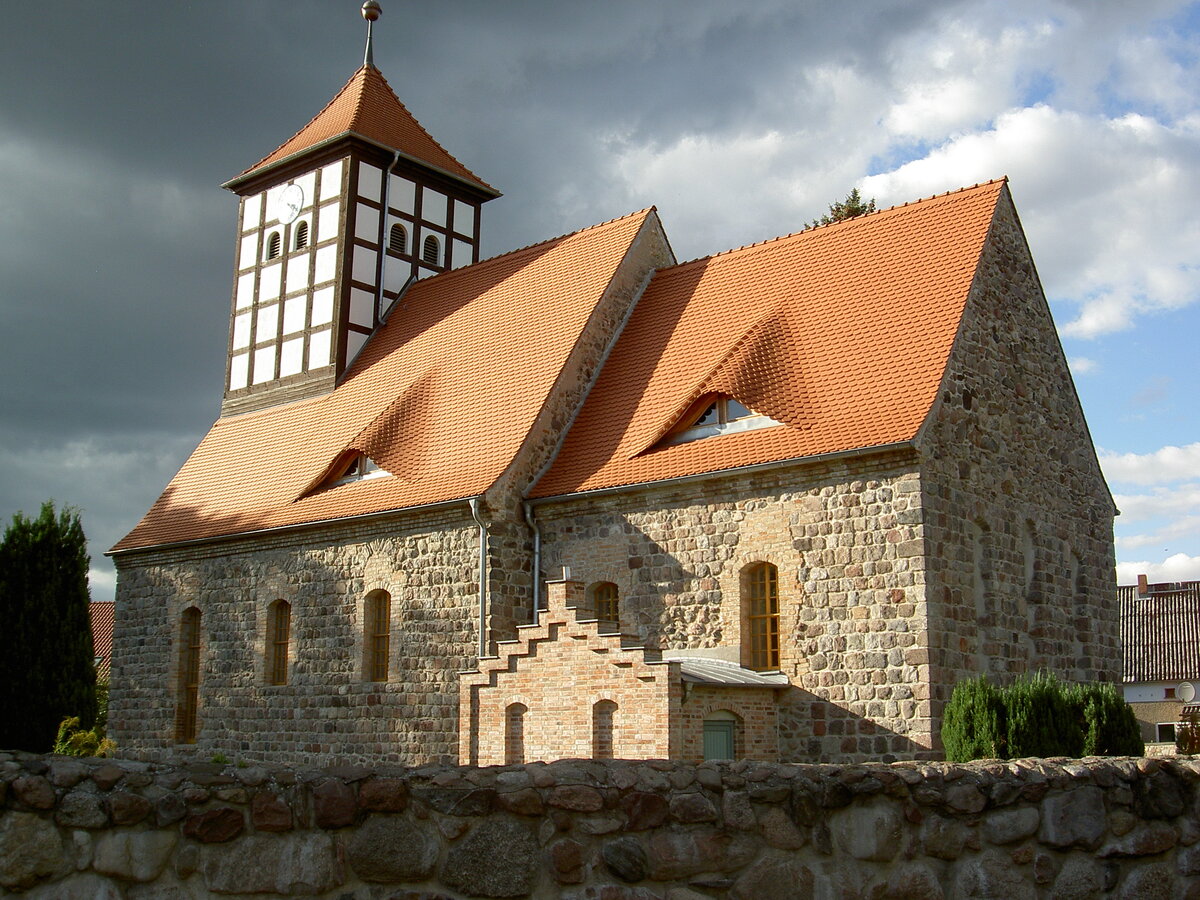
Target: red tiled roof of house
1160,634
102,630
442,397
367,106
841,332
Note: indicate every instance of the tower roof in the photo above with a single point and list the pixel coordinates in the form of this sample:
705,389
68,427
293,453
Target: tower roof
368,107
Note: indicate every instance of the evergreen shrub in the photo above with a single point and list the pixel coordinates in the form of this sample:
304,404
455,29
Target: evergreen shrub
1107,722
1039,719
973,722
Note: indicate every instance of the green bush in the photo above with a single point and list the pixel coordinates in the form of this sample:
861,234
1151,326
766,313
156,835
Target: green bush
1039,716
973,722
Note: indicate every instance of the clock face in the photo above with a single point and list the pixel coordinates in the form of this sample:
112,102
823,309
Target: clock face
291,199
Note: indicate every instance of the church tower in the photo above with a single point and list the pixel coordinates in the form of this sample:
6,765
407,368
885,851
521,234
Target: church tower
333,225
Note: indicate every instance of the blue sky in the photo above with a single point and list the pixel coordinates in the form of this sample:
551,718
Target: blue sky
119,121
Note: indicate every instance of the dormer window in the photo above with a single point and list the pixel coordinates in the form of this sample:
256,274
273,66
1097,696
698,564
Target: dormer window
359,467
722,415
431,251
274,245
398,239
301,235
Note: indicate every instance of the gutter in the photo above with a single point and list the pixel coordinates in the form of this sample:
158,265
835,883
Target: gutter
723,473
483,547
537,562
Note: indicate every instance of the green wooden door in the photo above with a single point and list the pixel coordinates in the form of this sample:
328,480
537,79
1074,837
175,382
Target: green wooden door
718,739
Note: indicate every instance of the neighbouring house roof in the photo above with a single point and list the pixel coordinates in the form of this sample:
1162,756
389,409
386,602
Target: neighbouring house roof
704,670
442,397
368,107
102,630
841,332
1160,636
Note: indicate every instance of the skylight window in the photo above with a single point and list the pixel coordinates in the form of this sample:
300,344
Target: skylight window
722,415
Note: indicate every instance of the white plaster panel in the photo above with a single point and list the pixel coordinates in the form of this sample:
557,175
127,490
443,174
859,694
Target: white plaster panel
462,253
464,218
239,371
366,223
241,331
245,290
297,272
322,308
291,357
251,209
308,184
402,195
327,221
364,264
433,206
423,272
395,273
248,254
272,202
293,314
331,180
326,266
267,325
318,349
370,179
268,282
354,342
264,364
361,306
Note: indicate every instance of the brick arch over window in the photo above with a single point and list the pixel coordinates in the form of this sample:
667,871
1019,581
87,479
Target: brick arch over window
723,735
603,714
514,733
760,616
187,724
279,629
377,635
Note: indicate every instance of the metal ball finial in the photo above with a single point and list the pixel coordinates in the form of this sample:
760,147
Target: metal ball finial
371,10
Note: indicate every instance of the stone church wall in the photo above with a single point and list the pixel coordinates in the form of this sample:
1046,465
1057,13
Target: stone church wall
1018,517
584,830
327,710
846,537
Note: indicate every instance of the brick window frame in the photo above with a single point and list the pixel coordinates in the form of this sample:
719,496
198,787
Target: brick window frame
604,713
514,733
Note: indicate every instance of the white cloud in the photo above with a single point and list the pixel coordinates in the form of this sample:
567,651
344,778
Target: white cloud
1081,365
103,583
1177,499
1179,567
1163,466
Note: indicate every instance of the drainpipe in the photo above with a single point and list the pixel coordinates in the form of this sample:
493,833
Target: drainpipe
537,563
483,547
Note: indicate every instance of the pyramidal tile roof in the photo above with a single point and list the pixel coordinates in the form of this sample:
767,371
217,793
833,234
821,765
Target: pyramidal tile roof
841,332
443,397
367,106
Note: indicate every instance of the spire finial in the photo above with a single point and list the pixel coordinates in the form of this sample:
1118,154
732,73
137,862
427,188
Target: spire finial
371,10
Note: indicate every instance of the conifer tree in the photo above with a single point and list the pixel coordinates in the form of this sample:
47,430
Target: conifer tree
850,208
46,657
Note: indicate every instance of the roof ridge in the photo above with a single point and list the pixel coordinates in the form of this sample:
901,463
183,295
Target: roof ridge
856,220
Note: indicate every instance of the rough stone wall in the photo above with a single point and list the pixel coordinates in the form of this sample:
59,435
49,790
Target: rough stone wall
327,710
1008,466
584,830
846,537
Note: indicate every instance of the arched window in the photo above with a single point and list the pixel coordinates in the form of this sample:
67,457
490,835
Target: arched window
274,245
301,235
1029,550
377,634
603,714
721,735
431,251
398,239
279,626
603,595
760,600
514,733
188,688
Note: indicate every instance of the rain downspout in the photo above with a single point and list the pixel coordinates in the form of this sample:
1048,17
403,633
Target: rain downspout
483,548
537,563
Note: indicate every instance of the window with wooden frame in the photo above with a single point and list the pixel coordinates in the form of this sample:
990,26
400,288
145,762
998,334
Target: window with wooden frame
377,635
716,415
188,687
760,592
604,597
279,627
431,251
398,239
301,235
603,714
514,733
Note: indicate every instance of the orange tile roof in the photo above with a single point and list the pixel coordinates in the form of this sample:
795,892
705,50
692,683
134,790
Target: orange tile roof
367,106
442,397
841,332
102,630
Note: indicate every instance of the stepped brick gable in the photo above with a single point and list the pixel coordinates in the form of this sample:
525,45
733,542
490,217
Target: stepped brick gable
802,487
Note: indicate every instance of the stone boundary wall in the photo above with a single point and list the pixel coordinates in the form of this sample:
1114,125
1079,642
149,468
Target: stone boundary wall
588,830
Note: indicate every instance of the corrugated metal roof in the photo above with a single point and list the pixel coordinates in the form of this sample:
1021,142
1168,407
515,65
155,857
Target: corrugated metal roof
704,670
1160,635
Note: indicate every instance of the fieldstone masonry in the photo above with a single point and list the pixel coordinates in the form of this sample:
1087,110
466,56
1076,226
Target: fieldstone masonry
590,830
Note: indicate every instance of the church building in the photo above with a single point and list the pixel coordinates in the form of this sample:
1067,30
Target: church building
585,499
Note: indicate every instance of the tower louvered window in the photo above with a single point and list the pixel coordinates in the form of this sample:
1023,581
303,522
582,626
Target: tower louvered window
188,690
301,235
398,239
431,251
274,245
